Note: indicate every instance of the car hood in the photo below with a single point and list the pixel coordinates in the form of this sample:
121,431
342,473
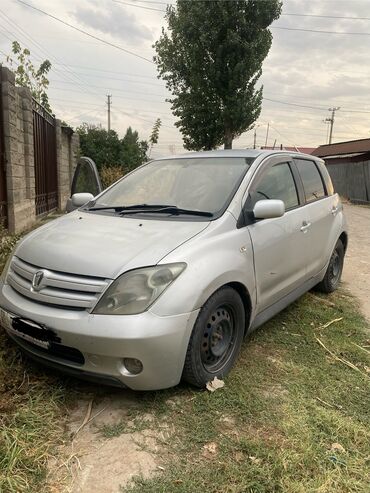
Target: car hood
103,245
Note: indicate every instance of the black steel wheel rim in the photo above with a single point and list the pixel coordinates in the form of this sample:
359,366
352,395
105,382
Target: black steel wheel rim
218,338
335,267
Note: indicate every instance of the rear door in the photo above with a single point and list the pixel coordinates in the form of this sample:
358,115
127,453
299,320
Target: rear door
322,207
281,244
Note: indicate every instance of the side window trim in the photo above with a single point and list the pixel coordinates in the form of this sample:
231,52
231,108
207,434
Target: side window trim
299,183
243,219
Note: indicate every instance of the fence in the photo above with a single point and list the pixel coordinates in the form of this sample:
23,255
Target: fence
37,157
45,159
351,177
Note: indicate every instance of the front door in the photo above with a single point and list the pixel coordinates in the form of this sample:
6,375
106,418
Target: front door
280,244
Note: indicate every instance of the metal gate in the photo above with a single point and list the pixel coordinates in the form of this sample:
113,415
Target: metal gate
3,192
45,152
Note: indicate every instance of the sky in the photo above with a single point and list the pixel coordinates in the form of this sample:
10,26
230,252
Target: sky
304,74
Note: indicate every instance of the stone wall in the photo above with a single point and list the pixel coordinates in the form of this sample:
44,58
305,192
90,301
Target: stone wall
19,154
68,147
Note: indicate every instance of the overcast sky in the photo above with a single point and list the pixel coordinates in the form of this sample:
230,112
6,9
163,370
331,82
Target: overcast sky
309,70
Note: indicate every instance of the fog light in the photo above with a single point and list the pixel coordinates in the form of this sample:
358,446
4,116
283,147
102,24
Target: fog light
133,365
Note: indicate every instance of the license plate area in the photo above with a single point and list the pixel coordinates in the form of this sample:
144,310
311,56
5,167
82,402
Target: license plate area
28,330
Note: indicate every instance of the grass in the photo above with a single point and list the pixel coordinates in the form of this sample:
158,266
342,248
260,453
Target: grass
32,413
32,417
291,418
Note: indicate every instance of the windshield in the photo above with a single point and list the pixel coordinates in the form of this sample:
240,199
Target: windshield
198,184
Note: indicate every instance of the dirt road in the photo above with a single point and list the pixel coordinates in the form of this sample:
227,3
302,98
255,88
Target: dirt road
356,274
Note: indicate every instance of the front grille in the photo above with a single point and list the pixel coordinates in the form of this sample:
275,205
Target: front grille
56,288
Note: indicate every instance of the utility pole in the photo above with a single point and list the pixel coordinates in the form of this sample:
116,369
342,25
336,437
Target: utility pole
267,133
109,103
255,138
331,121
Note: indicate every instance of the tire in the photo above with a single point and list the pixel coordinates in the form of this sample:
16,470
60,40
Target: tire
216,338
333,273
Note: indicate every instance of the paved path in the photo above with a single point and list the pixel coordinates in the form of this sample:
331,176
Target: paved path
356,274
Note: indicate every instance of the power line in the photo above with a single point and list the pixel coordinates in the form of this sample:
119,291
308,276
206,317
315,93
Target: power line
277,27
328,16
105,88
139,6
108,43
315,30
320,108
67,74
283,14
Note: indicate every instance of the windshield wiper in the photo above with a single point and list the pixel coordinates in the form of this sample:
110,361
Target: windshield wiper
165,209
120,208
151,208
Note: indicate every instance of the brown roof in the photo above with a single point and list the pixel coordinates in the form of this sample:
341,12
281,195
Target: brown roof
348,147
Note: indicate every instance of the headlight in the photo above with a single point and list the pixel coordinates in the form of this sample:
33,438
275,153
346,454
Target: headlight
135,291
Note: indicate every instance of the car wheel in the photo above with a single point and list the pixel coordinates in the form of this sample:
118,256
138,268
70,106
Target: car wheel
216,338
334,271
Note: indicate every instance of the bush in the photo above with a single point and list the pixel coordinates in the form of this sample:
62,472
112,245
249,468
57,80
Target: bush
110,174
7,243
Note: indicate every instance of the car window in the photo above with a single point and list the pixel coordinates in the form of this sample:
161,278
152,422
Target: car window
327,180
85,180
276,183
311,178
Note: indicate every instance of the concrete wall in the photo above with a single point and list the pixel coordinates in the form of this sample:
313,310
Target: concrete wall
68,149
19,154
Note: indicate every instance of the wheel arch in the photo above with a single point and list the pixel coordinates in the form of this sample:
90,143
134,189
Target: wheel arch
246,299
344,239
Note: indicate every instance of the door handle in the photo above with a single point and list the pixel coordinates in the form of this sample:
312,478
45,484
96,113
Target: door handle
334,210
305,226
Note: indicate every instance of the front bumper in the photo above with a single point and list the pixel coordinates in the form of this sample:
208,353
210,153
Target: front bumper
160,343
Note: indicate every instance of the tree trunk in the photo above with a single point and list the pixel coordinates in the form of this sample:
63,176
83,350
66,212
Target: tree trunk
228,140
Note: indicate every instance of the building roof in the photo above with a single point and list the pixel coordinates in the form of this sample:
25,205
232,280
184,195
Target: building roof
339,149
303,150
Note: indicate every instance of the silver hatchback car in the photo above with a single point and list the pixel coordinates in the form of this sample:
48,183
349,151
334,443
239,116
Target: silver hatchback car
161,276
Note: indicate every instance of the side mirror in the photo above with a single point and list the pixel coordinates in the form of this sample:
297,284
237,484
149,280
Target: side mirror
268,209
80,199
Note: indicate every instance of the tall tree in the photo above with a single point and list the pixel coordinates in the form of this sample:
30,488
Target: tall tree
211,59
27,75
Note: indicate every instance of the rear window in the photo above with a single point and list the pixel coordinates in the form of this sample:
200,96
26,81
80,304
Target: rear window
327,180
311,178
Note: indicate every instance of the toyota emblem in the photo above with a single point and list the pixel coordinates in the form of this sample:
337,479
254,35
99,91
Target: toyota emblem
37,280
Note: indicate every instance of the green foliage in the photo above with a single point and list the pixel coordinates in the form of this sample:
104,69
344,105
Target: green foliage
27,75
7,243
108,150
110,174
133,150
100,145
211,59
153,139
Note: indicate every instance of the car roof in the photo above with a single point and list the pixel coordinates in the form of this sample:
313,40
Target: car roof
254,153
